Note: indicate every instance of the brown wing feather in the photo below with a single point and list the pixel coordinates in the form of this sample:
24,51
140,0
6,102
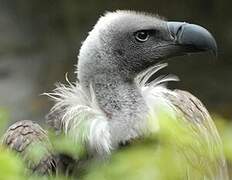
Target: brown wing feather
192,111
21,136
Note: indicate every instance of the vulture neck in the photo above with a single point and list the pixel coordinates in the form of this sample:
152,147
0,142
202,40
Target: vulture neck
123,105
117,96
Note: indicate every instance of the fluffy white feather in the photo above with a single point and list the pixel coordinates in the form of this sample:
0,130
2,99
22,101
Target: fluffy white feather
82,119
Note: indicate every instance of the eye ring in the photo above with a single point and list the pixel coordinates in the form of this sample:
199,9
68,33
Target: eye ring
142,36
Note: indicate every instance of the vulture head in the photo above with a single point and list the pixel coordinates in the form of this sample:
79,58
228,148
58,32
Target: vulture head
127,42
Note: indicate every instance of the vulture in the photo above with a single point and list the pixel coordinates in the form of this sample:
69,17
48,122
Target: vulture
115,93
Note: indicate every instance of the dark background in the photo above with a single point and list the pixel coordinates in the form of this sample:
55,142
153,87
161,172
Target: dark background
39,42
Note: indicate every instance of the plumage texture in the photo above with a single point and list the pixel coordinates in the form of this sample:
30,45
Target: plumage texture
22,137
181,106
80,118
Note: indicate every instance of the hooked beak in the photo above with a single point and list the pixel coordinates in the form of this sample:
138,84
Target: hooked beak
193,38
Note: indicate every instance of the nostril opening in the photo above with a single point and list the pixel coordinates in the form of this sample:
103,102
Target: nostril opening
173,35
176,29
179,30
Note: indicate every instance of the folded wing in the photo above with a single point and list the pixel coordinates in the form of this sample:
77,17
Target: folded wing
25,135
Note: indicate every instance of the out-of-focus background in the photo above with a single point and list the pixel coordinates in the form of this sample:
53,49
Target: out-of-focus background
39,43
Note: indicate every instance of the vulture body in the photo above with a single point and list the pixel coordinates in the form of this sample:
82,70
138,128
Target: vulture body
110,103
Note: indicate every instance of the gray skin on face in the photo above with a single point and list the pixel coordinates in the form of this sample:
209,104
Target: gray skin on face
112,56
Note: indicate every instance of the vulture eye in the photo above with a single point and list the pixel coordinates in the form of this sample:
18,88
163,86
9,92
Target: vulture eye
141,36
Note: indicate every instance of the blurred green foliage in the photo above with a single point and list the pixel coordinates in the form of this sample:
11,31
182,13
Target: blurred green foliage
11,167
152,157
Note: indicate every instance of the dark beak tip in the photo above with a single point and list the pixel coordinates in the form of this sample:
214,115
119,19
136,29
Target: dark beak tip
215,51
212,46
215,48
209,45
